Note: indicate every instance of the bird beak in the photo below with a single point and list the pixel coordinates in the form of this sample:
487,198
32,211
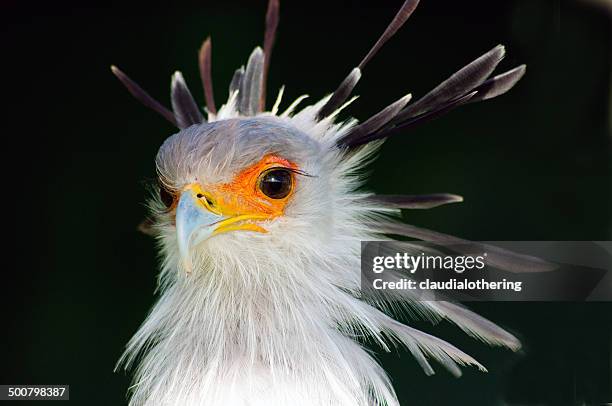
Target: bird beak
195,222
198,219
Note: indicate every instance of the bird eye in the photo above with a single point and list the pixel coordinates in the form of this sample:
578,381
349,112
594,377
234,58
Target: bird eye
167,198
276,183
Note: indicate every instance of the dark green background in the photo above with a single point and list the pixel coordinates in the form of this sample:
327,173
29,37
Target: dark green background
77,151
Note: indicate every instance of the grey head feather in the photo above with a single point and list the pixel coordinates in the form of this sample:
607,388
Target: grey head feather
236,81
413,201
251,84
185,108
222,148
475,325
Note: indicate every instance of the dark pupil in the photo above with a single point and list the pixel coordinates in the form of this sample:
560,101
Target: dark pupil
276,183
166,197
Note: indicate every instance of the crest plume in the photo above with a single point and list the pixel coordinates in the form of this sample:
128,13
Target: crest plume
204,62
469,84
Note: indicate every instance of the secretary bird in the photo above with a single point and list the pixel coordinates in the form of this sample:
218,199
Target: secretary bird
259,215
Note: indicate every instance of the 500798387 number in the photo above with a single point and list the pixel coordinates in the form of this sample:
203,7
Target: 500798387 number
42,392
33,392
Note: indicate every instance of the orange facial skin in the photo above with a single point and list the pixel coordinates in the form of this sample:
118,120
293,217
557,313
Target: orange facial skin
243,196
241,200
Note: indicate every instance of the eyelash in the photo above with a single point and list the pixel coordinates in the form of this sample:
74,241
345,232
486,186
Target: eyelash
298,172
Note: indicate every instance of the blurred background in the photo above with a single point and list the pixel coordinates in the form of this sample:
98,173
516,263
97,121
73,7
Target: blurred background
78,150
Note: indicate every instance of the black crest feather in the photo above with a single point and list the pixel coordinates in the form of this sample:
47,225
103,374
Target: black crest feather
346,86
272,17
469,84
341,94
458,84
400,18
204,62
143,96
375,122
185,108
499,84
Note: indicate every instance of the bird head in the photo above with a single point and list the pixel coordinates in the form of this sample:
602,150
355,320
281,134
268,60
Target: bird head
242,182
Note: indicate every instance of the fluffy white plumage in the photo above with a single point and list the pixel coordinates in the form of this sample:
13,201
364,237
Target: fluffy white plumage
276,318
